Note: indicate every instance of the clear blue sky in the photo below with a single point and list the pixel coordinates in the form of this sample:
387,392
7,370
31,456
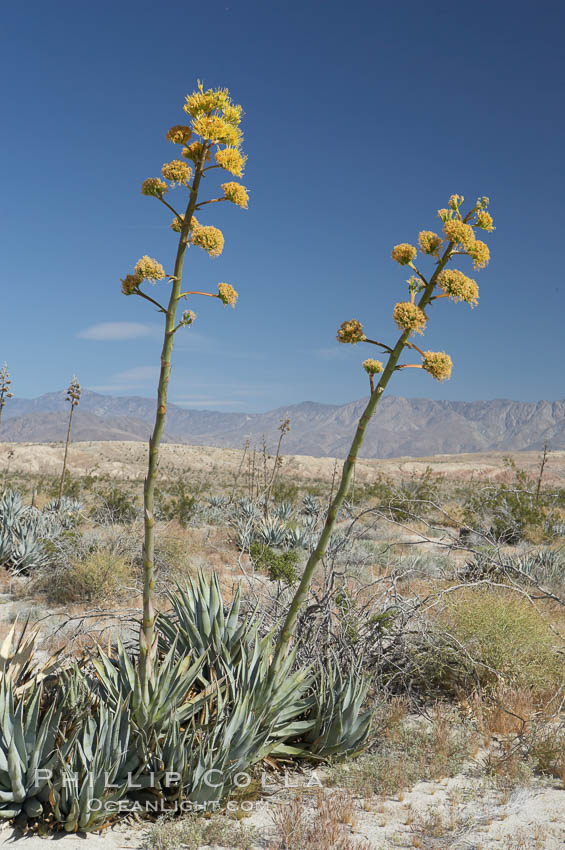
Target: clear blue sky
361,119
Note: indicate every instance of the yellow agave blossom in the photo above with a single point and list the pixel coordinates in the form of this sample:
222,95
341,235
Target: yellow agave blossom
484,220
351,331
232,160
429,242
130,283
205,102
178,221
177,171
372,367
438,364
227,294
409,317
208,237
480,253
215,129
455,202
154,186
194,152
404,253
149,269
236,193
459,232
458,286
179,134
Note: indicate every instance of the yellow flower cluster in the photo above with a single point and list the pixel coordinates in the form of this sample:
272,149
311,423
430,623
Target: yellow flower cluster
458,286
404,253
177,171
194,152
177,223
459,232
154,186
372,367
480,254
351,331
215,129
207,237
236,193
130,283
455,202
231,160
484,220
179,134
438,364
205,102
429,242
148,269
227,294
187,317
409,317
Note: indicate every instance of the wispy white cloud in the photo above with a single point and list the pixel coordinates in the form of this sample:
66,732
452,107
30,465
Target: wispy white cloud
138,373
332,353
117,330
139,377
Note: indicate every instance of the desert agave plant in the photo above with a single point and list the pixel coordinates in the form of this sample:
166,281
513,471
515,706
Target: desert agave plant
340,726
203,625
171,692
214,122
459,237
27,751
5,392
310,505
100,769
284,511
23,531
73,397
17,660
271,532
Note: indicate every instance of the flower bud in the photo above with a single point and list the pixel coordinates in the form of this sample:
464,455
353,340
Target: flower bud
154,186
227,294
372,367
404,253
351,331
429,242
409,317
177,171
179,134
148,269
438,364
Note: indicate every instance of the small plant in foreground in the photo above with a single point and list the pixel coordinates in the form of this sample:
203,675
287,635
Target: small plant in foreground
458,238
214,122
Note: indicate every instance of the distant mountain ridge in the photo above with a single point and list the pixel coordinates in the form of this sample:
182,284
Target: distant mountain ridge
401,427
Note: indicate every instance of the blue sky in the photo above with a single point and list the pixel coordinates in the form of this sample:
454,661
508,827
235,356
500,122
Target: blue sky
361,119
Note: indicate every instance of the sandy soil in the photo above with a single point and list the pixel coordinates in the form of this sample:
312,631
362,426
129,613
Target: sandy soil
126,460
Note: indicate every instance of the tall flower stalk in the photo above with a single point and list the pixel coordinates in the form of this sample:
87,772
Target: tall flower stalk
215,131
5,393
458,238
73,397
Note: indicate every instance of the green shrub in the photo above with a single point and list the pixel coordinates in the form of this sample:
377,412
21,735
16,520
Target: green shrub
99,577
115,506
504,631
281,566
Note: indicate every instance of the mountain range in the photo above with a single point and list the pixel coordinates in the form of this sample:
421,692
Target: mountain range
414,427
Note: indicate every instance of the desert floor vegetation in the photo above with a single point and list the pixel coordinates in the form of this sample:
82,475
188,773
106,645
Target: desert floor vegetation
448,635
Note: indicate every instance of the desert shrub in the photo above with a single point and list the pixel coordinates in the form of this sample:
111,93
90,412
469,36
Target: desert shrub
512,512
322,827
281,566
114,506
98,577
192,831
284,491
504,631
409,751
181,507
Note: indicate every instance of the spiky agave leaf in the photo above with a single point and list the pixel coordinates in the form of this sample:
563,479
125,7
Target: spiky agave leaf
339,727
27,751
17,659
202,623
170,692
98,773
